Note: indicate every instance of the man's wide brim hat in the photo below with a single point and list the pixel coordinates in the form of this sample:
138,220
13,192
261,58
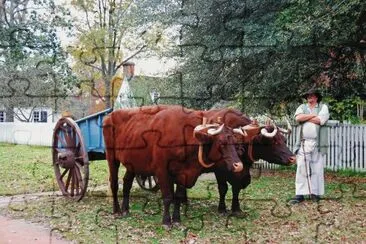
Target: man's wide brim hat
314,91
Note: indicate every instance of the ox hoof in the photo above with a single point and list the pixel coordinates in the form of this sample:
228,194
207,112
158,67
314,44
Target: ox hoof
117,214
237,212
167,227
125,213
176,223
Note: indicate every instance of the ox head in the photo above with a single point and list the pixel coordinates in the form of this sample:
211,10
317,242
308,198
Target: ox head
218,143
268,143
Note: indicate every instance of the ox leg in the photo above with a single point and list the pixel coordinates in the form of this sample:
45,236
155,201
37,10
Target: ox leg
235,205
113,173
167,191
180,197
236,187
127,185
222,186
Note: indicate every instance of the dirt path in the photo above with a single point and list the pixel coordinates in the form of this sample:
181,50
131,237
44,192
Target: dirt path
21,231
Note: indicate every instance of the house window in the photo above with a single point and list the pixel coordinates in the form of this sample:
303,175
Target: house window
2,116
40,116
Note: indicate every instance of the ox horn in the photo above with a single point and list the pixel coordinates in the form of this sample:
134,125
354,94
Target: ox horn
205,126
265,133
289,128
213,132
240,131
201,127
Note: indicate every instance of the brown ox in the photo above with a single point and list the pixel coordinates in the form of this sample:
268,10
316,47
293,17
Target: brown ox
165,141
255,142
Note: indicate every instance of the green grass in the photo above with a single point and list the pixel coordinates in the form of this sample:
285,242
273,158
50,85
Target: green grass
27,169
340,172
265,218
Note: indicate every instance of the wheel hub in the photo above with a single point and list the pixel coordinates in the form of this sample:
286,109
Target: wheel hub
66,159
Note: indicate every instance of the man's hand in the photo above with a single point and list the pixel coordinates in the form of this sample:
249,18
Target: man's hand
315,120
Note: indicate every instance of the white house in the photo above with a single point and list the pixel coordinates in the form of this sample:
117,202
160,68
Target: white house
35,115
31,126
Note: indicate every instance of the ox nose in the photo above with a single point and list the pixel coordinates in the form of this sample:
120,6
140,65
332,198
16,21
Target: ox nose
238,167
292,160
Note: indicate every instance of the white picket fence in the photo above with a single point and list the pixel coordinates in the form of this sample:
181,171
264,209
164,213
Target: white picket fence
346,147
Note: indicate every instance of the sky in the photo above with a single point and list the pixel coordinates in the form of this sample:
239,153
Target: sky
152,66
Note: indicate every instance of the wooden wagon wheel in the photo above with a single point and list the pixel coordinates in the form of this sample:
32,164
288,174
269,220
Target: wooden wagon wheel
148,183
70,159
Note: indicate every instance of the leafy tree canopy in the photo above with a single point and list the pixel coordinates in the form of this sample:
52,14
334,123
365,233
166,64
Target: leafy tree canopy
263,54
34,68
111,33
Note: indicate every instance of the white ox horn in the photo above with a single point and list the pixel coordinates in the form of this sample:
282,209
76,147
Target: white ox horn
289,128
205,126
265,133
240,131
213,132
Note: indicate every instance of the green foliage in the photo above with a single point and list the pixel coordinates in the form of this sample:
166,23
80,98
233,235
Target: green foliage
264,54
167,88
344,110
34,68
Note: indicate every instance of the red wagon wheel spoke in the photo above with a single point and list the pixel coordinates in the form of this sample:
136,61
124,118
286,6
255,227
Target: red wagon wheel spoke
61,140
70,159
68,181
79,180
70,140
76,180
72,183
77,149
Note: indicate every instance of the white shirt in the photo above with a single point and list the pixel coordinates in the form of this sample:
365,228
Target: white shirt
309,129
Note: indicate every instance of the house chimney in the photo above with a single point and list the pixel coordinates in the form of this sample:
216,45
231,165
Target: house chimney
128,70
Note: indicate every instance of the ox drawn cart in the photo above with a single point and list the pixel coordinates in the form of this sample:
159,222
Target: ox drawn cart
75,144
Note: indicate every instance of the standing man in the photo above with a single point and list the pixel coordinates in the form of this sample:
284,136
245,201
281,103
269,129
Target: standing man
310,161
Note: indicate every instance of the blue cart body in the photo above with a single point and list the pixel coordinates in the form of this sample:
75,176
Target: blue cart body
91,128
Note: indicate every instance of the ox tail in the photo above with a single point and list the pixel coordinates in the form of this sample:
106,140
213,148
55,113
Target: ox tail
108,134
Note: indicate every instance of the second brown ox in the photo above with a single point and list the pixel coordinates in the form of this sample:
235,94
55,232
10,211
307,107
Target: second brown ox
257,142
165,141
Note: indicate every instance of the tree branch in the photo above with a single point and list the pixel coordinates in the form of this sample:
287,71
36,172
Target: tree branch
94,67
130,57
